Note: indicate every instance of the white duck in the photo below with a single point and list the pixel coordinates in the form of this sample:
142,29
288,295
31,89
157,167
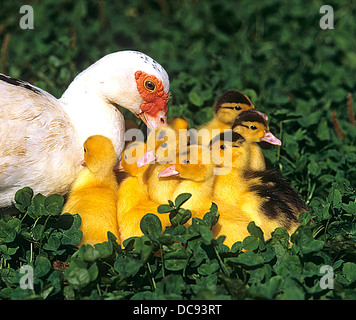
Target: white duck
41,137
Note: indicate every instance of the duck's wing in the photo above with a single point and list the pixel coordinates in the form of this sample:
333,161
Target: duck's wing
37,141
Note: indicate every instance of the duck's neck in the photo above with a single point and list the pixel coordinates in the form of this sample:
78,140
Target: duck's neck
91,113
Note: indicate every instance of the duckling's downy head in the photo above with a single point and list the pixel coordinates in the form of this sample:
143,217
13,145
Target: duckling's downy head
132,153
229,149
162,142
99,154
230,104
178,123
194,164
252,125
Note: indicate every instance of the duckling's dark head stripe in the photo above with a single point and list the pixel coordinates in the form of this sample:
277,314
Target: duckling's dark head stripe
231,96
18,83
229,136
249,115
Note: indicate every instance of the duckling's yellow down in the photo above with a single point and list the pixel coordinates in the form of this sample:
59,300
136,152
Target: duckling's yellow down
133,199
94,192
196,174
253,126
262,195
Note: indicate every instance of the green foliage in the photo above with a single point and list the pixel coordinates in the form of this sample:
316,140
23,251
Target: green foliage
180,262
273,51
177,215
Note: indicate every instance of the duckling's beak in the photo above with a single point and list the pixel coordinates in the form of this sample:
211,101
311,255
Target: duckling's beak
148,158
270,138
83,163
168,172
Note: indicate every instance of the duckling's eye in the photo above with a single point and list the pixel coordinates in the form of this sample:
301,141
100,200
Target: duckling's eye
237,108
253,127
125,156
149,85
85,150
185,161
222,147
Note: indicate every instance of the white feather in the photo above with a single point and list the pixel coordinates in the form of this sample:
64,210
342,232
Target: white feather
41,137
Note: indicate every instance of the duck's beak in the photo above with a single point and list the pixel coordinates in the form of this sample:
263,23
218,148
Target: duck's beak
159,119
168,172
148,158
83,163
270,138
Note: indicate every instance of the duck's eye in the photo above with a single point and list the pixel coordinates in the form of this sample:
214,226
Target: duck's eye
237,108
149,85
85,150
185,161
222,147
253,127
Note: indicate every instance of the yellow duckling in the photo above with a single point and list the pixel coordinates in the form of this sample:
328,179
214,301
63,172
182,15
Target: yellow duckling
129,225
264,195
175,134
162,144
181,126
144,191
94,192
178,123
132,189
133,199
252,125
227,107
196,172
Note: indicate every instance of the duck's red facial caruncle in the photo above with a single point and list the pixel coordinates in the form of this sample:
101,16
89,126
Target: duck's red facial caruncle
154,106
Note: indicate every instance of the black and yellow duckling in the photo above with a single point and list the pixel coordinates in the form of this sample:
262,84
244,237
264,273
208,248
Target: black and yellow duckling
264,195
253,126
227,107
195,171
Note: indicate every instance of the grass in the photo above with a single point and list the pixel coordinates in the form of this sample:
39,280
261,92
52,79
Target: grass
274,51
